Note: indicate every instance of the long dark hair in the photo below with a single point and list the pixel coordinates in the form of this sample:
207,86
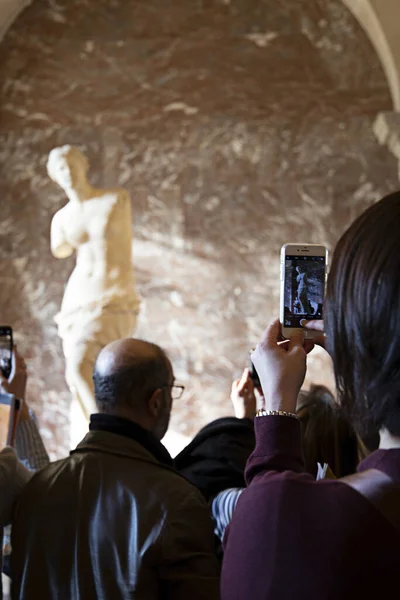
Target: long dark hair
362,316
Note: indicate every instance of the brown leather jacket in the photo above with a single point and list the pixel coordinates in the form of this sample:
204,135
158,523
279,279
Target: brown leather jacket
110,522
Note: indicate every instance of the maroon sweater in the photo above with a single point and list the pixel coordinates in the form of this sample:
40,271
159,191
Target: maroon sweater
294,538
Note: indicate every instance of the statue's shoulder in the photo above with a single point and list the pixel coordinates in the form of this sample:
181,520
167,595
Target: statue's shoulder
62,213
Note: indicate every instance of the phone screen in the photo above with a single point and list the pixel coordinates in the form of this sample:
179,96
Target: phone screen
6,345
304,289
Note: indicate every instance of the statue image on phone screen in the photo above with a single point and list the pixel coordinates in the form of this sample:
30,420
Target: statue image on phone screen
303,275
304,288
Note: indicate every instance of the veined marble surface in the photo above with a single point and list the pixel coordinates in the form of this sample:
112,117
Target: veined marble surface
236,125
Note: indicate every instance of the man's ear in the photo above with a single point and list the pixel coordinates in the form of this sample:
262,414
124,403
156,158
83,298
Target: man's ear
155,403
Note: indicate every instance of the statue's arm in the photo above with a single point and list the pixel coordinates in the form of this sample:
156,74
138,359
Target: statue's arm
60,248
125,199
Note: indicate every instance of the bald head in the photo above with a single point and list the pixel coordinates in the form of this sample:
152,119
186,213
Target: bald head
125,354
126,375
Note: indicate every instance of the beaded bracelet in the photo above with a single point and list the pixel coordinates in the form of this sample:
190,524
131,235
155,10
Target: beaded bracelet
276,413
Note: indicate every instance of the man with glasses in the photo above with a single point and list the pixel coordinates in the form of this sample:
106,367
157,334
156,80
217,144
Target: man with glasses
115,519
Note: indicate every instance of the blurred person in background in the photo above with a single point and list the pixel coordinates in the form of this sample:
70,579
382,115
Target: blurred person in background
216,457
18,464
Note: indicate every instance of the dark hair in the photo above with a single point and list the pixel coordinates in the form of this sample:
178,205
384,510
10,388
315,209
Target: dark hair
132,383
362,316
327,436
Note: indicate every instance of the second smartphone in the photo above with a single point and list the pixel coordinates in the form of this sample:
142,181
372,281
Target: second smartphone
303,278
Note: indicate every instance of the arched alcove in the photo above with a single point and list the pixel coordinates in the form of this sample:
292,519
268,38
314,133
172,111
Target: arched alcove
378,19
380,22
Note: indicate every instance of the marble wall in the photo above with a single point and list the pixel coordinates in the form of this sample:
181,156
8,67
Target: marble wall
236,125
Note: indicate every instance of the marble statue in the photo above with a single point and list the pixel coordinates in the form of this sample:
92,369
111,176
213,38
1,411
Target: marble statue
100,304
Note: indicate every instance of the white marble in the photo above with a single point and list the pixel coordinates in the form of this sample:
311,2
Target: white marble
100,304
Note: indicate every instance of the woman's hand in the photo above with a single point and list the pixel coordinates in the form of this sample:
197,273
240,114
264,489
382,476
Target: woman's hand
317,326
281,368
243,397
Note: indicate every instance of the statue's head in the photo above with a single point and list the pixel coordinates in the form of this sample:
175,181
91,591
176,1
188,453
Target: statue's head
67,166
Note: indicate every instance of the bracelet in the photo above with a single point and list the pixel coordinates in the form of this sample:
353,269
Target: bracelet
275,413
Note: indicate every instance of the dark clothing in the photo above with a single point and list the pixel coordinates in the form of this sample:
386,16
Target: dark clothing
120,426
294,537
216,458
113,521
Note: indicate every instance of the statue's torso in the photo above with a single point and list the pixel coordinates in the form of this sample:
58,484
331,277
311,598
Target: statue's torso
100,231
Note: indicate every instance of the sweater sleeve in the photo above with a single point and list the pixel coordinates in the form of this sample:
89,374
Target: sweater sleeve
13,477
29,445
222,508
278,447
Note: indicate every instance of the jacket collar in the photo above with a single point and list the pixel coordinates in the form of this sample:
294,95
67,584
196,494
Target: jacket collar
128,429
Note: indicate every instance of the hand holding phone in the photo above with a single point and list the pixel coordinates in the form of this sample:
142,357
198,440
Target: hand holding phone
6,348
16,382
281,368
10,407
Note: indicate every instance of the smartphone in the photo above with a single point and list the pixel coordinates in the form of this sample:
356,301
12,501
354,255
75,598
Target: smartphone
253,373
9,414
303,279
6,349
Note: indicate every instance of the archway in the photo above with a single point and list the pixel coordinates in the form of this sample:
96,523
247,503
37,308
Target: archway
229,142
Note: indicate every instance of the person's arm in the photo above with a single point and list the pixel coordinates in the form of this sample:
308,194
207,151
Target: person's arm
189,569
278,447
13,477
60,248
281,369
222,508
29,444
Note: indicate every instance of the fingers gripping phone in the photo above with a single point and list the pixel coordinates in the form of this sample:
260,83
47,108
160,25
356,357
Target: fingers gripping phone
6,349
303,278
10,407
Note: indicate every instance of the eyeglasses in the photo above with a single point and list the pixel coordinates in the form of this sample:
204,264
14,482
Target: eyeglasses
176,391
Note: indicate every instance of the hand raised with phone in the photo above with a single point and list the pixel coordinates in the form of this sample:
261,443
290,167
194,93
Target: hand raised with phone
243,397
16,383
281,367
